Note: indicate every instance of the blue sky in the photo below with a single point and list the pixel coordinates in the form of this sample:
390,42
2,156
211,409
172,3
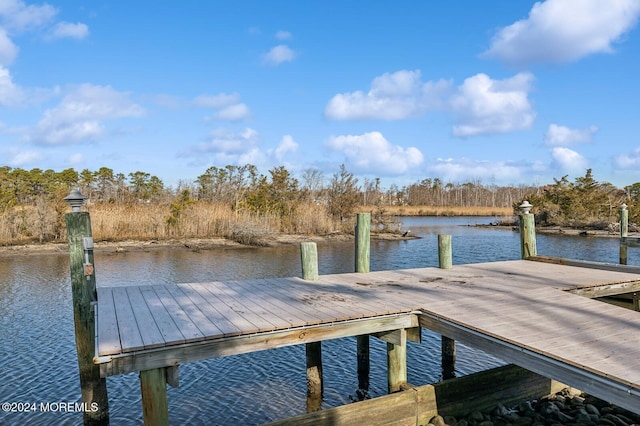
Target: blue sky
501,92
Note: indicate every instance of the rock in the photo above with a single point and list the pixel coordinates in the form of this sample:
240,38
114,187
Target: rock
437,421
592,409
564,418
500,411
526,408
547,408
615,419
451,421
476,416
523,421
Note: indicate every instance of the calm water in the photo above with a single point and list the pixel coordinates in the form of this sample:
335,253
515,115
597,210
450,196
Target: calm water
37,349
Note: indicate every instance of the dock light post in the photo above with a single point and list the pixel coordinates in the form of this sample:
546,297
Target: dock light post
527,231
83,289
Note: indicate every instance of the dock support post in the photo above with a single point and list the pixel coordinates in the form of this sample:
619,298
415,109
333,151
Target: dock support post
624,232
527,231
315,385
444,252
309,258
155,407
363,242
397,363
83,289
448,345
363,254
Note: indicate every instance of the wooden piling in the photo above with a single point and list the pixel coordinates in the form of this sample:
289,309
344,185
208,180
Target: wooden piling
83,288
444,251
624,233
155,406
362,260
309,259
363,241
527,231
397,362
448,346
315,385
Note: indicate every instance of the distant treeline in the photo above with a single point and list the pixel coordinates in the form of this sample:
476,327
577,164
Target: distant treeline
32,205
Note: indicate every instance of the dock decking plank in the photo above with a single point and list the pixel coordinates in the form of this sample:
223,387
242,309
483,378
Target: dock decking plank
181,294
226,327
168,328
151,336
181,319
224,305
130,336
109,338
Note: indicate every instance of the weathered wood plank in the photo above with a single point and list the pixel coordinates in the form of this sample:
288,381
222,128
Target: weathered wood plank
151,335
168,328
181,319
227,328
292,315
130,336
458,397
108,336
181,294
227,307
250,343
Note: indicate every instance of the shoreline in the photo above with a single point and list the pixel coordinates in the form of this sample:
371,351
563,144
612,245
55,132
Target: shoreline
276,240
193,244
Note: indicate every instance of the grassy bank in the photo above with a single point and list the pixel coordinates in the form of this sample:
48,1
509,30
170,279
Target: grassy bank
447,211
202,220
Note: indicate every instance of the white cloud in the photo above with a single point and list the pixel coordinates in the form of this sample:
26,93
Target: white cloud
561,31
70,30
10,94
371,152
568,160
628,161
286,145
279,54
485,106
19,158
80,115
224,146
467,169
8,50
283,35
16,16
563,136
393,96
229,107
235,112
75,159
220,100
224,141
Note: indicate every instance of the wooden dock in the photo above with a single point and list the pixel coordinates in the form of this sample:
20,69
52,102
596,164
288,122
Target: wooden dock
538,313
522,311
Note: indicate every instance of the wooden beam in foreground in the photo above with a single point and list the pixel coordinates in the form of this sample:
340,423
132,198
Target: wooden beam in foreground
196,351
602,387
456,397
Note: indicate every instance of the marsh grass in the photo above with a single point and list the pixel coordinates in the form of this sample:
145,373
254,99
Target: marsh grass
120,222
447,211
